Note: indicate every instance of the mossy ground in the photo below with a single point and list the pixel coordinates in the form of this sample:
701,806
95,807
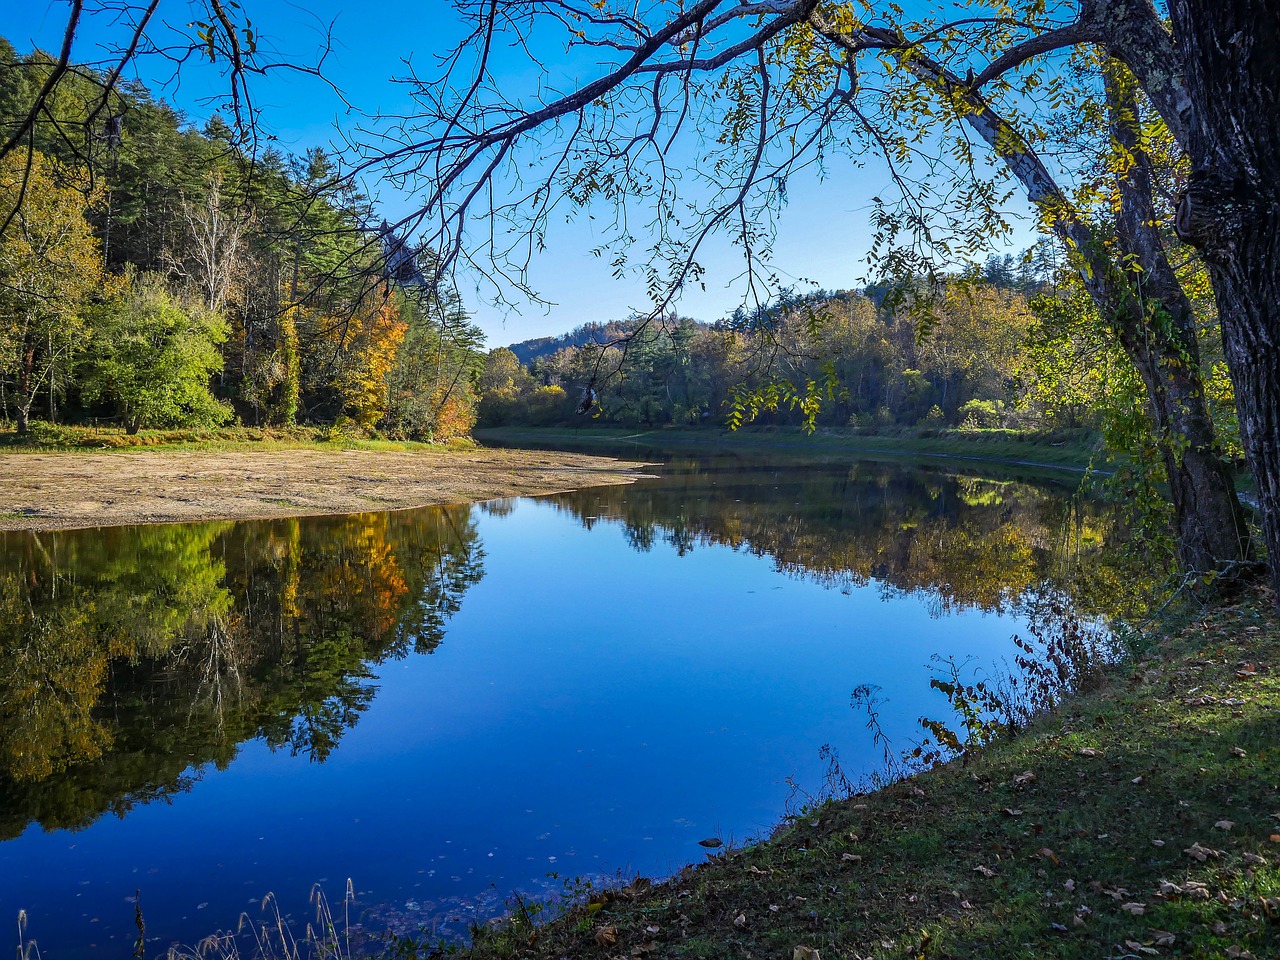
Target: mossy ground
1140,819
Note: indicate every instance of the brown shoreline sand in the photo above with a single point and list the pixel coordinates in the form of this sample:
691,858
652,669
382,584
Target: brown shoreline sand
66,491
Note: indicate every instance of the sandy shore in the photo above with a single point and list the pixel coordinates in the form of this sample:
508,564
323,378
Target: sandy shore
62,491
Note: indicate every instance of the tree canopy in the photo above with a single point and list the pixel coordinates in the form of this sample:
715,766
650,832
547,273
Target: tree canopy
1116,123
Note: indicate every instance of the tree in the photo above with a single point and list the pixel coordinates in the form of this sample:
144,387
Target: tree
210,251
152,356
50,264
772,88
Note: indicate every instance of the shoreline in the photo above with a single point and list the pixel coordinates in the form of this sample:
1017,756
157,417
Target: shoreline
66,491
1067,456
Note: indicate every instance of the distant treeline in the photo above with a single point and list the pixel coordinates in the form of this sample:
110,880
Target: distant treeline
153,274
1012,344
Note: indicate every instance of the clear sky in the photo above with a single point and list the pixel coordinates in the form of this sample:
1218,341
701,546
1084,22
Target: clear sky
822,236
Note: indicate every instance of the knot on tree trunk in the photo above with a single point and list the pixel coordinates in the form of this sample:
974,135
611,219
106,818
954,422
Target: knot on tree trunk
1212,211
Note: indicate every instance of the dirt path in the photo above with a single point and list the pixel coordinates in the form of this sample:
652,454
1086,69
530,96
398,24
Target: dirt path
61,491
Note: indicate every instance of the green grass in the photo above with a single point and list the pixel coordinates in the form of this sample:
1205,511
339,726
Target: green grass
1071,450
49,438
1092,856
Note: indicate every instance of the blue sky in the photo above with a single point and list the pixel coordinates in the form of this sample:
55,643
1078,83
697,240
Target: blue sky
822,235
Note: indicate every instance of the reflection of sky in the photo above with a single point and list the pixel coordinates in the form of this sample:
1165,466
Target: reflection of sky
591,709
822,235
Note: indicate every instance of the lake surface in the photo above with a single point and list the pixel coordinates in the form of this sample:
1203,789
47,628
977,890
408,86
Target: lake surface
447,705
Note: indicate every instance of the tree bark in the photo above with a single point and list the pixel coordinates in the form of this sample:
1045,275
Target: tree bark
1231,211
1155,322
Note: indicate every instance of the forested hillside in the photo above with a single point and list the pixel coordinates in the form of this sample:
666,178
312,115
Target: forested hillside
155,275
1015,344
527,351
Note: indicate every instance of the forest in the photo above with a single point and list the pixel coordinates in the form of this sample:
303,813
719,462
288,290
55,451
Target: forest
160,275
1013,344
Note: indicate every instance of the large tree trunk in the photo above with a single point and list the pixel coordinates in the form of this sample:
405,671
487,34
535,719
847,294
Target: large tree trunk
1155,322
1249,301
1231,211
1212,532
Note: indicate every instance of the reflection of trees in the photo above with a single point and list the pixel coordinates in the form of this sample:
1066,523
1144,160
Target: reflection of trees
131,657
964,541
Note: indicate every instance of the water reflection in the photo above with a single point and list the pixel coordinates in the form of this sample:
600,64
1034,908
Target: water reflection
633,668
962,541
133,658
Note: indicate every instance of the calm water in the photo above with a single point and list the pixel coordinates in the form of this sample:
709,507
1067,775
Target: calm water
447,705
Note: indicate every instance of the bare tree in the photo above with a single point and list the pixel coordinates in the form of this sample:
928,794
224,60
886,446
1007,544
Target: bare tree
211,252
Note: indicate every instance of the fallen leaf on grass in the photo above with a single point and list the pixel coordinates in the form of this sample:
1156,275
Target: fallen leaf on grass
640,949
1239,752
1048,854
1254,859
756,870
1011,812
985,871
1197,852
1237,952
652,929
850,857
1274,838
740,921
1195,890
1069,886
1139,948
1137,909
1025,777
607,936
1089,752
1224,824
805,953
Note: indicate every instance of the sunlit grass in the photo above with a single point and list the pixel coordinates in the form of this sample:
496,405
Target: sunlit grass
50,438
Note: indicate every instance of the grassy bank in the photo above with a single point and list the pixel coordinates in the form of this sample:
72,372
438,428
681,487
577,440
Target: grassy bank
1070,450
49,438
1139,819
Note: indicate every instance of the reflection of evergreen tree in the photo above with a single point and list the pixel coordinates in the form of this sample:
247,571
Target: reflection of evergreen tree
132,657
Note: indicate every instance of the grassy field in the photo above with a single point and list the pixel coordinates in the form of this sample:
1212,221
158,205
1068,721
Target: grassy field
48,438
1071,450
1138,819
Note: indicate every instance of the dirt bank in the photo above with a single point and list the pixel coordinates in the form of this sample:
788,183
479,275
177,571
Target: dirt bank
61,491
